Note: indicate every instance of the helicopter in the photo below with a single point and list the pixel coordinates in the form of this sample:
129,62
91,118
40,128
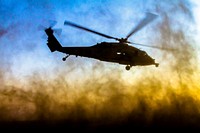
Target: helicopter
116,52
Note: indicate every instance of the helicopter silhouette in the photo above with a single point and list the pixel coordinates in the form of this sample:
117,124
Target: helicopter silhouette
117,52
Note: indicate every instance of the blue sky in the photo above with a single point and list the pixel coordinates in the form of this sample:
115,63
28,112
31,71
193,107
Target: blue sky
24,50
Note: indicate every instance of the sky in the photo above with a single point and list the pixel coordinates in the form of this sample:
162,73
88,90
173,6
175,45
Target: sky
116,18
29,71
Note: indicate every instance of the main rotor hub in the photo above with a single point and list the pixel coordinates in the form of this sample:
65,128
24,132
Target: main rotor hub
123,40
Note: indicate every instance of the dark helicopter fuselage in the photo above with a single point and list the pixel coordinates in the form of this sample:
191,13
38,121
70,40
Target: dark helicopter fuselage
121,53
112,52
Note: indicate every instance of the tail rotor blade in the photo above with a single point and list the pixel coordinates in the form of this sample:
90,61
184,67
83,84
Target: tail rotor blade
57,31
52,23
41,27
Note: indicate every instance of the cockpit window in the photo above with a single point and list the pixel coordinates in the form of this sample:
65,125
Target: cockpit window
142,53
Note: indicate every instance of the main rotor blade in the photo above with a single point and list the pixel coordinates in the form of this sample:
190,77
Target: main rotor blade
149,18
169,49
89,30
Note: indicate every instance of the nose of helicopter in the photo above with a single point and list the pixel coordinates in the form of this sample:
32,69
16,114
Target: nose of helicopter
154,63
151,61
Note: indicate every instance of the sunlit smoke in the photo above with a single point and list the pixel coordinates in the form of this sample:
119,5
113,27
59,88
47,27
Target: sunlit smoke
97,91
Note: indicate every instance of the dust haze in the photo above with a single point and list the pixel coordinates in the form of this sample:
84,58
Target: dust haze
107,94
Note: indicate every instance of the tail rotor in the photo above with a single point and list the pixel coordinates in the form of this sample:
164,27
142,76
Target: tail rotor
50,26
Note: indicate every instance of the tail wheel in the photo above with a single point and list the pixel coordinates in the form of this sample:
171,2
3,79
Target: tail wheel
64,58
128,67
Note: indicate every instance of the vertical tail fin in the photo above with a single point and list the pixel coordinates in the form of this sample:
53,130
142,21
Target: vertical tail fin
52,42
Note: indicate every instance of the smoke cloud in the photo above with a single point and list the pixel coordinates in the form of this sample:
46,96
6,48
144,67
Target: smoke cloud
97,93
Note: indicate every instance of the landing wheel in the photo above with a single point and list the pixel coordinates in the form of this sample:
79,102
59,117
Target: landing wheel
64,59
156,64
128,67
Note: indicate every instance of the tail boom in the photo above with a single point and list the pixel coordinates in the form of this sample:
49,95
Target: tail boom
52,42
